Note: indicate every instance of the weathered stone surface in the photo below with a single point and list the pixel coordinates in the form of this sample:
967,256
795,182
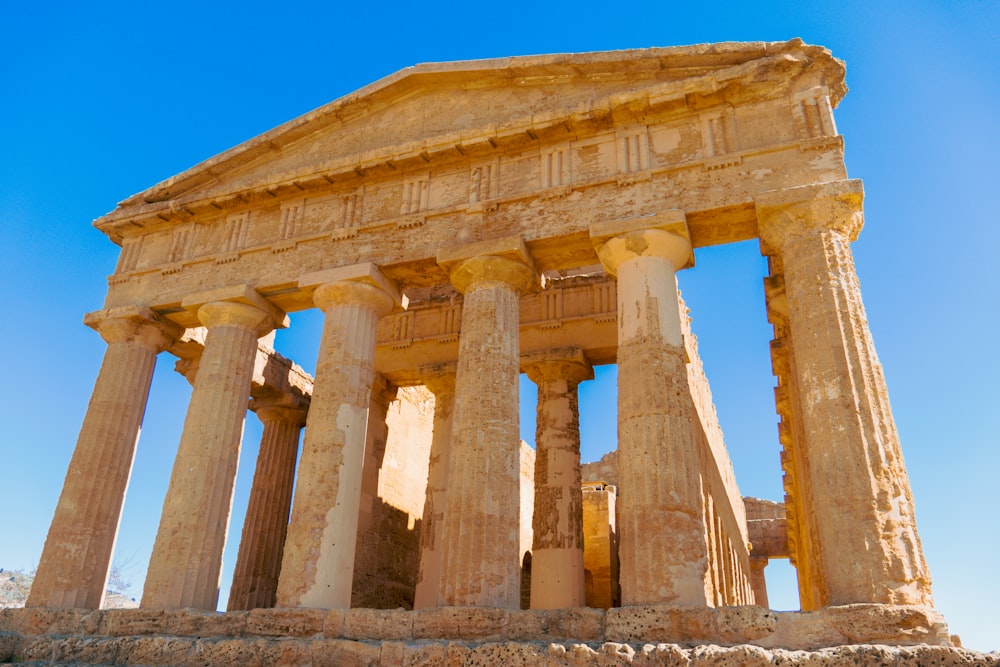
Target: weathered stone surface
287,622
378,624
333,625
125,622
8,646
158,650
197,623
461,623
344,653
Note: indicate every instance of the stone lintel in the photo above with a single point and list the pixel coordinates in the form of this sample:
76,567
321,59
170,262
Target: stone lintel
364,272
237,294
510,247
670,220
428,371
275,375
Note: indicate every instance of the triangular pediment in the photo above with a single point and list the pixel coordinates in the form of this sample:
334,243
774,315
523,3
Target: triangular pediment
429,114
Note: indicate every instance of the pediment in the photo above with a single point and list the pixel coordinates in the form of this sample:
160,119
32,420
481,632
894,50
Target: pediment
431,114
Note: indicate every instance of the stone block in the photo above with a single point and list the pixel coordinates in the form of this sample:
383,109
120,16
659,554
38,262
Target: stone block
414,655
661,655
482,623
344,653
11,619
32,620
378,624
333,624
530,624
86,650
156,651
235,652
660,623
943,656
128,622
581,623
286,622
878,623
36,649
738,625
8,646
293,653
198,623
801,631
504,653
729,656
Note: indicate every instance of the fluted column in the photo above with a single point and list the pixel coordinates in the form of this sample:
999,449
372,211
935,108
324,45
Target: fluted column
186,562
441,382
663,542
758,582
318,565
859,489
369,552
557,573
73,570
255,578
480,548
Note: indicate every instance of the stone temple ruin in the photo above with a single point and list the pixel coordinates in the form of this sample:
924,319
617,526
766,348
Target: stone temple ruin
458,224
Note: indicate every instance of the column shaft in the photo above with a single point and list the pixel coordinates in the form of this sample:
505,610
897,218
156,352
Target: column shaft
557,571
186,562
370,553
429,577
664,547
860,492
318,566
75,562
481,550
481,543
255,578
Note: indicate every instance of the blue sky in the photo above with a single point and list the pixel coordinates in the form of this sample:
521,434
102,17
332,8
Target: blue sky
102,100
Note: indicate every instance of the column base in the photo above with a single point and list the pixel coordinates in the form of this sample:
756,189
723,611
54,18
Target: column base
906,635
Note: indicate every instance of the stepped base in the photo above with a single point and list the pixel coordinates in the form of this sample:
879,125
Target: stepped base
645,635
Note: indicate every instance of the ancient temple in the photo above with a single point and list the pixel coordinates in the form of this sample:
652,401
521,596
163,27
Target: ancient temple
459,224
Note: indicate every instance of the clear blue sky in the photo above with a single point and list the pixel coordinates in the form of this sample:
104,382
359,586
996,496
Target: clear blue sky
102,100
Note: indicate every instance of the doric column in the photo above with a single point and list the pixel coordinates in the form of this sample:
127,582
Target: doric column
758,583
186,562
858,486
664,548
440,380
369,552
480,549
255,578
557,573
73,570
318,565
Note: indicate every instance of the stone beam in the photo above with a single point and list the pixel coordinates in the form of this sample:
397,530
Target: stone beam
767,528
475,196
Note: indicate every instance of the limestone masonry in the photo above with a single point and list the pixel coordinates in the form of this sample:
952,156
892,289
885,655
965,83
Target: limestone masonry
459,224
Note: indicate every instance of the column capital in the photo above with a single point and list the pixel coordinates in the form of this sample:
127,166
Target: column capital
362,283
439,378
566,363
503,260
134,323
791,212
239,305
662,235
284,408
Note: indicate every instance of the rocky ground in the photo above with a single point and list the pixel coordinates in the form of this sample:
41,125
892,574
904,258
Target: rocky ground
15,584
